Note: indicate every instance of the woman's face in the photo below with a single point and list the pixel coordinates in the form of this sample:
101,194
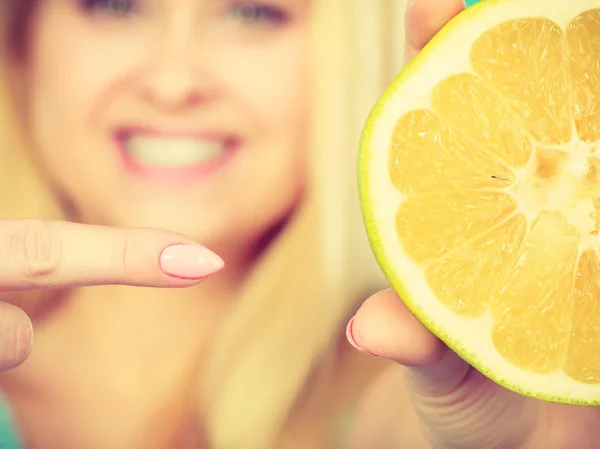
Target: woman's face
188,115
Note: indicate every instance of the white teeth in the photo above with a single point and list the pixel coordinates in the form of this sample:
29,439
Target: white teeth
172,152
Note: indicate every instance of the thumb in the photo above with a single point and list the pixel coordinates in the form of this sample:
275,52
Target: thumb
16,336
458,405
384,327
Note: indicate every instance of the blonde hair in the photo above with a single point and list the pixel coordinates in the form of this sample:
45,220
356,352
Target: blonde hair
276,355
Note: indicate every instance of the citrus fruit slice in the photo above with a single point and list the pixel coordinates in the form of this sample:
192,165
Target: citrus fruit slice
479,176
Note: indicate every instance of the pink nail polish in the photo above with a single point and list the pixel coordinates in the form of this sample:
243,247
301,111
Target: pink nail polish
352,340
189,261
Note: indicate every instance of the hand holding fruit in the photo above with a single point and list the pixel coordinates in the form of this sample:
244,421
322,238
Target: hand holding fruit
458,407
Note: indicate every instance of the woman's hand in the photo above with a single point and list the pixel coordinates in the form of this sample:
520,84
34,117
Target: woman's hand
456,407
38,254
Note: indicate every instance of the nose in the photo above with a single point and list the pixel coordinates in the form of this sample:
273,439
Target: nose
174,79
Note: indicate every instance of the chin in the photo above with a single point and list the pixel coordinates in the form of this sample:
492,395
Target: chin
228,227
218,232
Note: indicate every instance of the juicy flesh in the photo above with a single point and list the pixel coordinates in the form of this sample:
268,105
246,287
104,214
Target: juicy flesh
501,192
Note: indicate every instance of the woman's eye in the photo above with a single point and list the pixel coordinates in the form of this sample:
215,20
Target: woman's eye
112,7
255,13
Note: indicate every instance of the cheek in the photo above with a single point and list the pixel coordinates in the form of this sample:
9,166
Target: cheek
76,72
56,109
283,93
272,82
272,88
72,73
280,99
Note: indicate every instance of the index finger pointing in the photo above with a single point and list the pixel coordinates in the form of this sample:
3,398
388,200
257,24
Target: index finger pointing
36,253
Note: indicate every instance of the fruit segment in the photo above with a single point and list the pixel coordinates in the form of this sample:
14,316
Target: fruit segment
583,36
430,227
477,110
533,311
525,61
465,279
583,357
429,155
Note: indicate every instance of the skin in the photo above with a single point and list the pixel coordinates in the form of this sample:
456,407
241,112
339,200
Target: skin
183,67
455,406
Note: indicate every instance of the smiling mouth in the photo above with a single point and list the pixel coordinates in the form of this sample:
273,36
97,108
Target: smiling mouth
160,151
167,154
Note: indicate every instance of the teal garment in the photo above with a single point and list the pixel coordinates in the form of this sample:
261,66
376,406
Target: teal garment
471,2
9,438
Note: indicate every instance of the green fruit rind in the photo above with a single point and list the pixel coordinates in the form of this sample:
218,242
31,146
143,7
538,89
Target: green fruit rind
366,195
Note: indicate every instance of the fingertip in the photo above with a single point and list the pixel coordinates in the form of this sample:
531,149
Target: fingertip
16,336
190,262
158,258
352,340
384,326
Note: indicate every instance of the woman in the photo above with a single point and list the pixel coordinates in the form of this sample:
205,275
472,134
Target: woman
190,116
253,356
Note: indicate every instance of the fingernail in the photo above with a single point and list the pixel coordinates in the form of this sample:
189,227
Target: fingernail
189,261
30,332
352,340
470,2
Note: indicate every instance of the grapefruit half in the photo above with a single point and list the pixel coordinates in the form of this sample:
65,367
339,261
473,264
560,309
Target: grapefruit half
479,177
